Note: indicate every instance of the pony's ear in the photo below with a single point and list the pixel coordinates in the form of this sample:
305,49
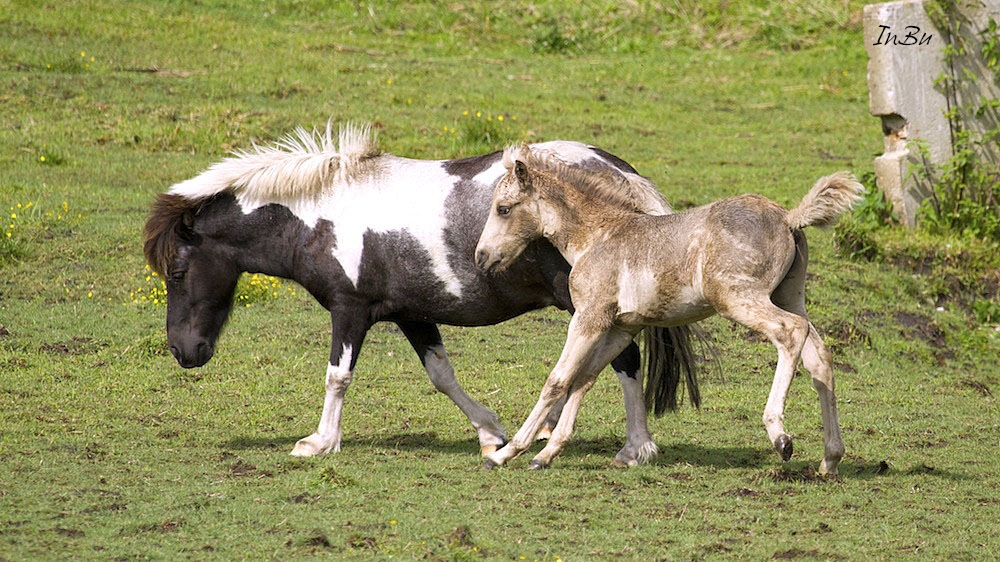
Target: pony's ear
521,173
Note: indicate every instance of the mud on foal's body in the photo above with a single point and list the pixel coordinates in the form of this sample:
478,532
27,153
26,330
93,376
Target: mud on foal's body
743,258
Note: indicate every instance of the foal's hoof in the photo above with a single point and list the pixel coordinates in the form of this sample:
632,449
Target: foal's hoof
488,449
490,464
784,447
537,465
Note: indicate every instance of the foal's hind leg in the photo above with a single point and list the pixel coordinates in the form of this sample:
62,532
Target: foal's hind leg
790,295
426,341
788,332
819,362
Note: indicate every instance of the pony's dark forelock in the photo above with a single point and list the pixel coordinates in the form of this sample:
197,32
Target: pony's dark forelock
163,228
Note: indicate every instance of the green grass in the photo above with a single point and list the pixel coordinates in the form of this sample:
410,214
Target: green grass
109,450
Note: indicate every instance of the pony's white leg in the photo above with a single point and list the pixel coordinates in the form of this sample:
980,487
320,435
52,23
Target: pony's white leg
442,376
327,436
594,359
639,445
819,362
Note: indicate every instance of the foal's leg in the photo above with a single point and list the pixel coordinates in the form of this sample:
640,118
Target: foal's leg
788,332
347,338
819,362
639,445
790,295
583,356
609,344
426,341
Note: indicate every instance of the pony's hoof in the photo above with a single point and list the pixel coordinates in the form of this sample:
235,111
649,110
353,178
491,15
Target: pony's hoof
304,449
490,464
537,465
543,434
488,449
784,447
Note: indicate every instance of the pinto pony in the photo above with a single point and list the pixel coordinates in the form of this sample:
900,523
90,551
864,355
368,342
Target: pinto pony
376,237
743,258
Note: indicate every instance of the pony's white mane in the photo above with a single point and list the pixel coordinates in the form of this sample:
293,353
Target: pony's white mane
300,165
631,189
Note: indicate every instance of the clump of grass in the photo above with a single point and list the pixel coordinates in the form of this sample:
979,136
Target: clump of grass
478,131
50,157
255,288
555,39
26,222
251,289
72,64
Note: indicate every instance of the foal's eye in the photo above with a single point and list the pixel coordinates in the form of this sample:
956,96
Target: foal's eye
503,210
176,276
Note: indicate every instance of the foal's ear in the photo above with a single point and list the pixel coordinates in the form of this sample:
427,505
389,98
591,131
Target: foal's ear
521,173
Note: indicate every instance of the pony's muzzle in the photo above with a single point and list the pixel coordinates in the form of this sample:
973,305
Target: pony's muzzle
193,356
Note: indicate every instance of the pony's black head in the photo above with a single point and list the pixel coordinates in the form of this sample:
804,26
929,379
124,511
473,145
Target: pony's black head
200,278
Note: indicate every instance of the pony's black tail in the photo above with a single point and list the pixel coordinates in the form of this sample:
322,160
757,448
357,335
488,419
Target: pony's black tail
669,353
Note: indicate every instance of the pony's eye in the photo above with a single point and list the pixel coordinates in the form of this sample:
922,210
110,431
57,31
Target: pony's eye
503,210
176,276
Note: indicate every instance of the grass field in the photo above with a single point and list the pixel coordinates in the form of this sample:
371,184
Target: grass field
109,450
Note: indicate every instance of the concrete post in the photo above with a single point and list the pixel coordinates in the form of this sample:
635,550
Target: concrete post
905,58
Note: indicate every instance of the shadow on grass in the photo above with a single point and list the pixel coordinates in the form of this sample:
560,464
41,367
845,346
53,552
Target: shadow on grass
427,441
598,454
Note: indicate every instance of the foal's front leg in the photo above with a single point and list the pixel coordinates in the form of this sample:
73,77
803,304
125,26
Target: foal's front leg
582,358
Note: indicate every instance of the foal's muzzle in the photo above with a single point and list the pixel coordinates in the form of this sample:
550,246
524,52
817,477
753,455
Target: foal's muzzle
487,262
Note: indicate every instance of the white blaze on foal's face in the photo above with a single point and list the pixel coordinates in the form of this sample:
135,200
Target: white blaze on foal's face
513,221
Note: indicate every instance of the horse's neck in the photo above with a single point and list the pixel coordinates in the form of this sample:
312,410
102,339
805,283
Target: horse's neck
270,251
575,224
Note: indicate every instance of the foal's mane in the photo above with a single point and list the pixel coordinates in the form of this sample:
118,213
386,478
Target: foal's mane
631,192
301,166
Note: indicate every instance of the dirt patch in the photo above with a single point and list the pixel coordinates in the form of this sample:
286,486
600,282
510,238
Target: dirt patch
71,533
847,333
242,468
979,387
806,474
796,553
916,325
743,493
74,346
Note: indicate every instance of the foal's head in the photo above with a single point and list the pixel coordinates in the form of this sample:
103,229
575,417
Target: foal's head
514,220
200,278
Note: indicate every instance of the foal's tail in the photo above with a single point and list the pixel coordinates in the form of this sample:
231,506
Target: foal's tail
829,198
669,353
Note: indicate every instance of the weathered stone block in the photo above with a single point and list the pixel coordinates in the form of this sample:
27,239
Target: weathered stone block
905,59
905,56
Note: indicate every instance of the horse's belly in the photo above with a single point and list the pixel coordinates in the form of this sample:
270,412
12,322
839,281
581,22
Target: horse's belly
647,299
676,314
